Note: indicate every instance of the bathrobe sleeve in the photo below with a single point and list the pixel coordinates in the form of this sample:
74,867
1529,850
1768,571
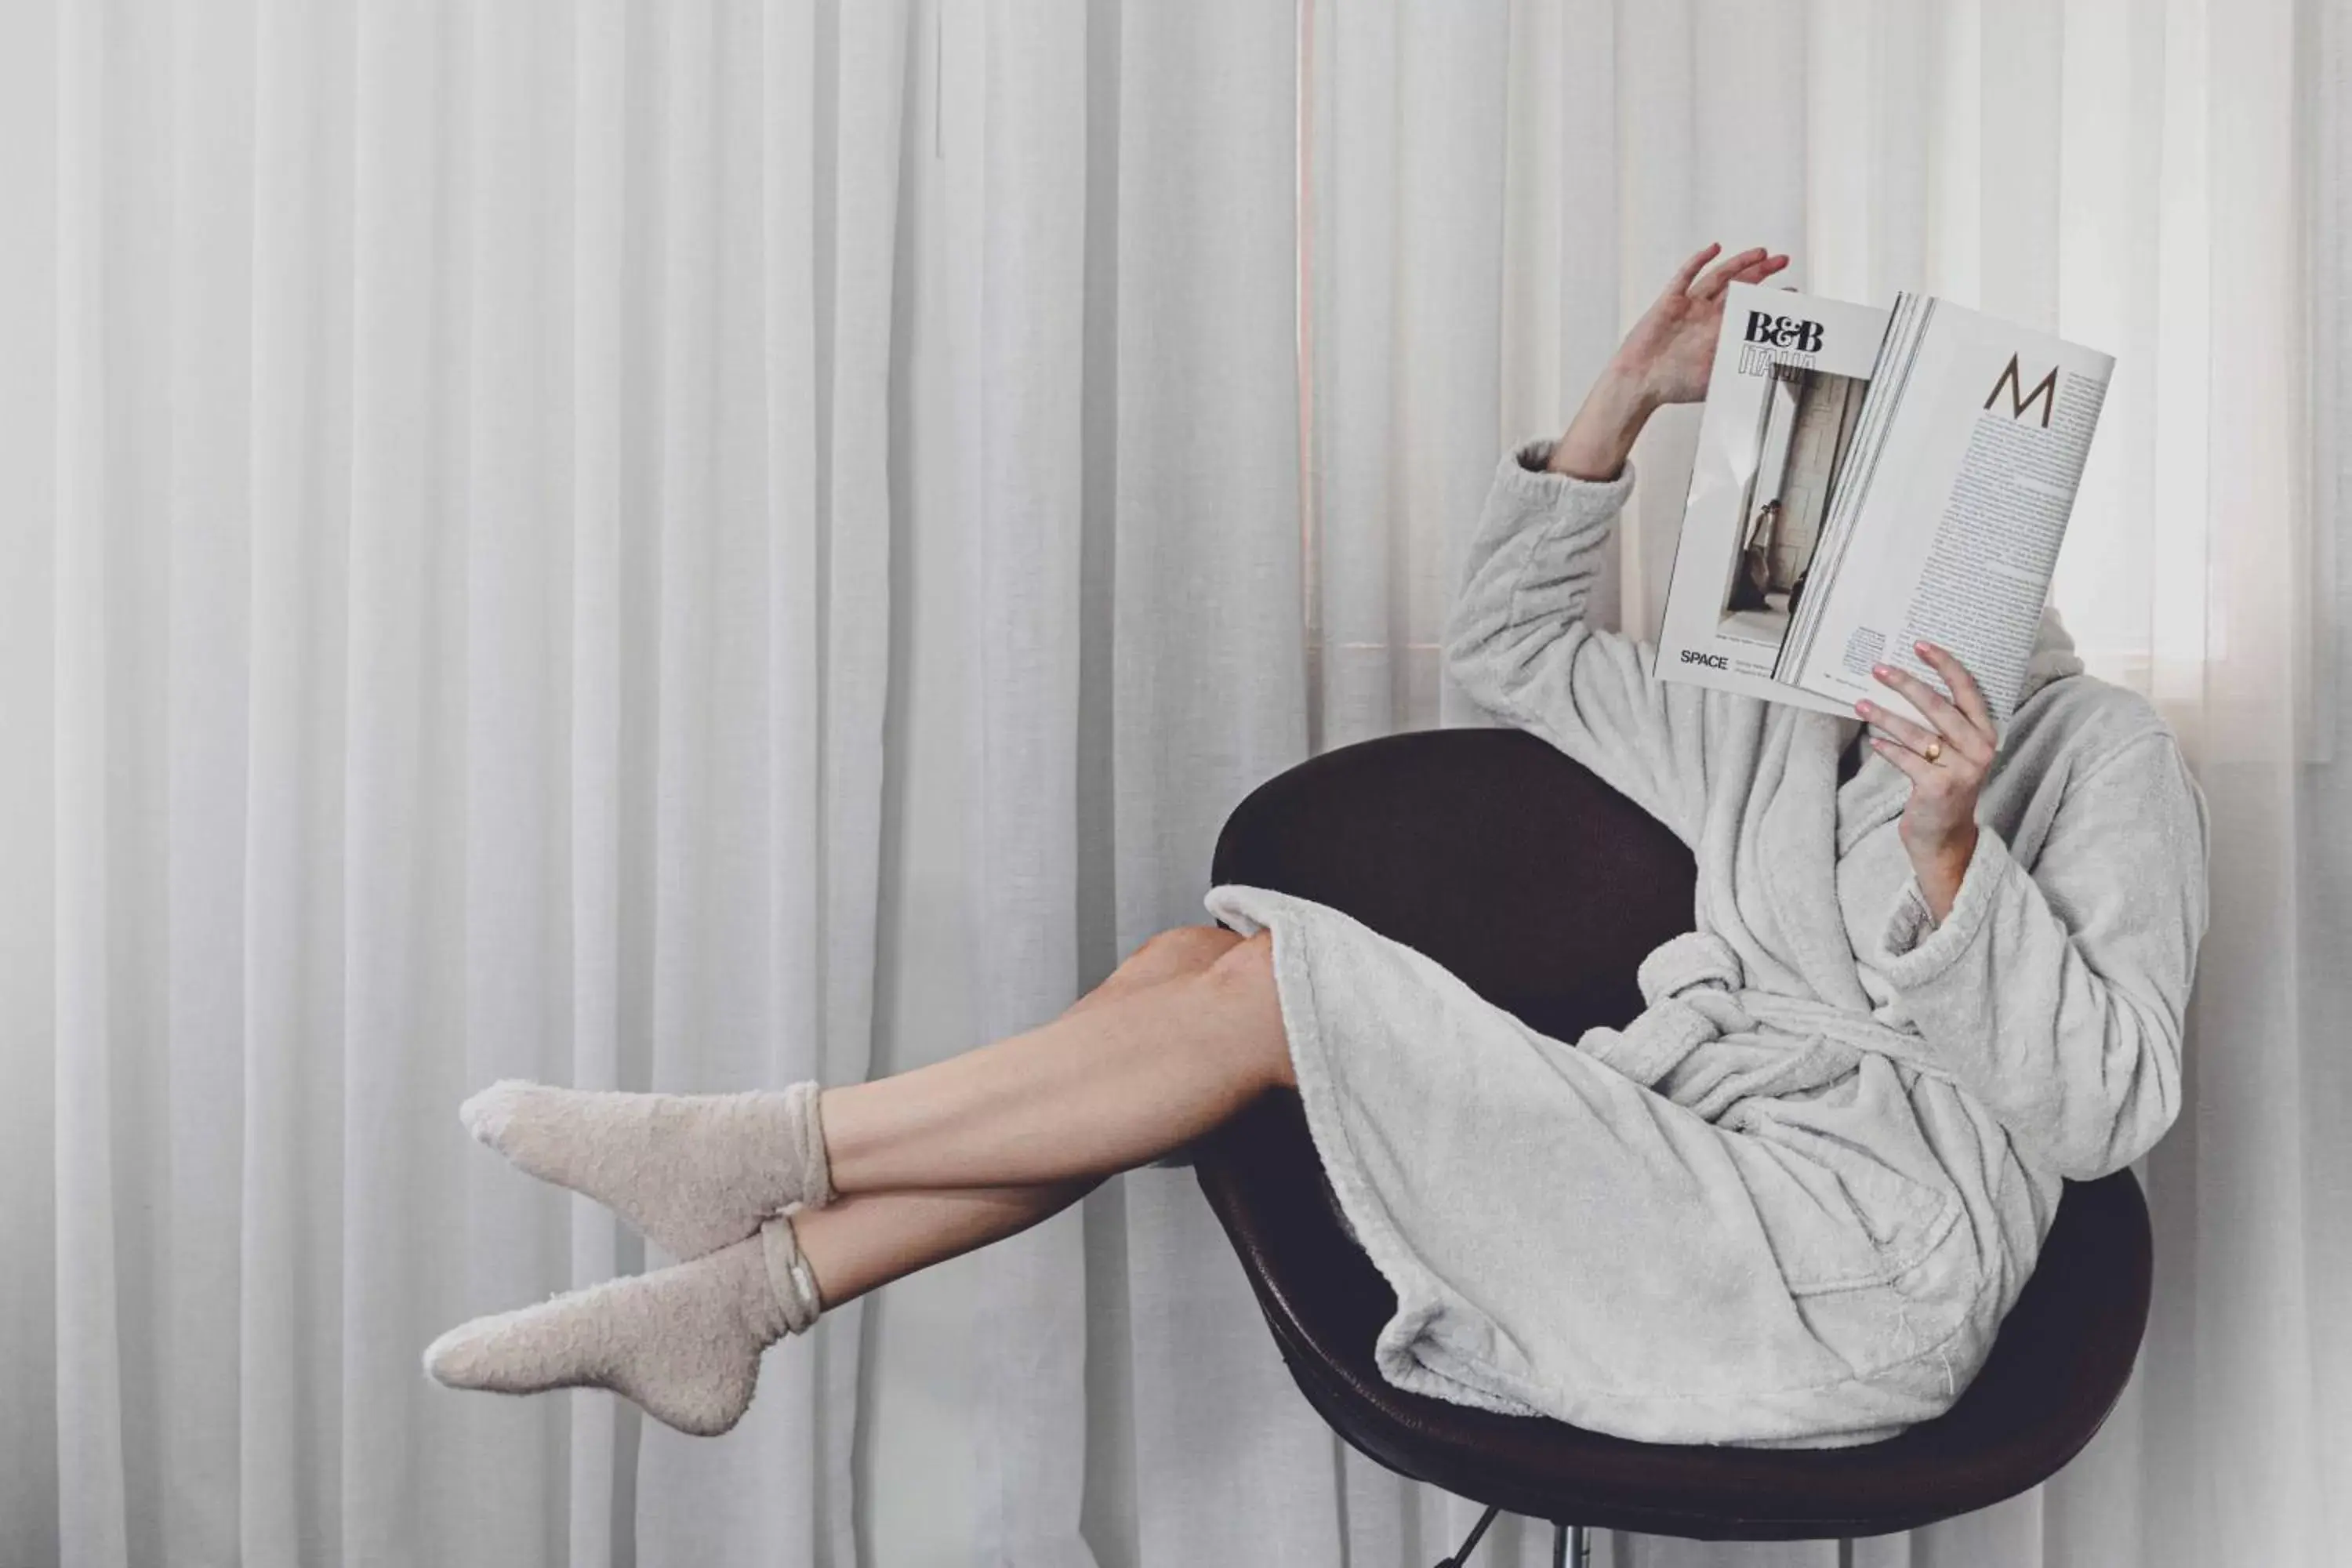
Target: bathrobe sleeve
1519,645
2058,997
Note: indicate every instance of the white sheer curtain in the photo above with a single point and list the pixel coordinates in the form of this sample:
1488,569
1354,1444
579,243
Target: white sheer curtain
693,544
447,602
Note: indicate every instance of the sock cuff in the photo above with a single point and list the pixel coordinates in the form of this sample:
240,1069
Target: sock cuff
816,1165
788,1275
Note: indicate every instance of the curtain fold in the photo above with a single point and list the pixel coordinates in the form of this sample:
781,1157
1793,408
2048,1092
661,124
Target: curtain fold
1207,700
696,545
1023,447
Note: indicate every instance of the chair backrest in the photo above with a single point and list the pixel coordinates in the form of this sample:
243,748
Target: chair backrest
1489,850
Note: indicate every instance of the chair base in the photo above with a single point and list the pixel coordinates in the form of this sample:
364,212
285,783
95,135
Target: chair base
1570,1546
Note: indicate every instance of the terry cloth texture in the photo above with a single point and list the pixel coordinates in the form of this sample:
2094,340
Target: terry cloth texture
1789,1204
684,1342
691,1173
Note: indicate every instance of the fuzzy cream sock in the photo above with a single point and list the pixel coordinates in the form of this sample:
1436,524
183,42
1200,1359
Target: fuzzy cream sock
683,1342
693,1172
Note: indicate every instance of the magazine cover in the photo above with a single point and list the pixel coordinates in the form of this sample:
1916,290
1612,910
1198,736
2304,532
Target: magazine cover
1781,407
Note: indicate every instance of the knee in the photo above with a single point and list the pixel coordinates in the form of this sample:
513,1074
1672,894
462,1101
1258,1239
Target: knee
1246,963
1242,980
1182,949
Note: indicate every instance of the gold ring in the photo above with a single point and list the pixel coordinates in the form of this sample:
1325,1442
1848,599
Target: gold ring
1935,749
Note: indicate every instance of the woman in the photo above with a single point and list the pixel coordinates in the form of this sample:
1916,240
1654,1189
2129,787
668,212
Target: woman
1932,972
1753,576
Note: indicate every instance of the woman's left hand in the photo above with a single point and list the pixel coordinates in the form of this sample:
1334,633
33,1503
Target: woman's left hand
1947,765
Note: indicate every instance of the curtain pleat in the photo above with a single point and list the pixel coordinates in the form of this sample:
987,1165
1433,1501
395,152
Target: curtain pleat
1024,450
696,545
1208,683
289,833
208,547
600,639
34,138
92,1501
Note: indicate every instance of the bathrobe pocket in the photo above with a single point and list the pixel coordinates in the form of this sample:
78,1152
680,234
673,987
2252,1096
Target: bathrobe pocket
1875,1260
1839,1216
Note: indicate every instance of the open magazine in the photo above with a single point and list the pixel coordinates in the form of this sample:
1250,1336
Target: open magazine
1866,479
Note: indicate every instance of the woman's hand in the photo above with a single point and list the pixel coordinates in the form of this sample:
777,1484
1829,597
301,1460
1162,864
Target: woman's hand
1670,353
1667,358
1947,766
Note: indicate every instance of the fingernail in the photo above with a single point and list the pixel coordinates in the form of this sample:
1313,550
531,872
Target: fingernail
1879,670
1862,705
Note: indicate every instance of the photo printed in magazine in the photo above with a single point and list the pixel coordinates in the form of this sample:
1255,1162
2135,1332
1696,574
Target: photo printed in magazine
1781,409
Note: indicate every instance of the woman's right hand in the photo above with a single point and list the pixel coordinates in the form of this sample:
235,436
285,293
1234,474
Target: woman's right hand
1670,353
1667,358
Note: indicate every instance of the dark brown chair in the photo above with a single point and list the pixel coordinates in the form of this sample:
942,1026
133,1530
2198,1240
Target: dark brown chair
1495,854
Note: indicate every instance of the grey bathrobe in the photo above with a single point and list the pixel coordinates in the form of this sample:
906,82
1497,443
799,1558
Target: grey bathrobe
1789,1204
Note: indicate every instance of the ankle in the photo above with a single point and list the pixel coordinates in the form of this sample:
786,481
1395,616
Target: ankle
844,1122
793,1283
805,1102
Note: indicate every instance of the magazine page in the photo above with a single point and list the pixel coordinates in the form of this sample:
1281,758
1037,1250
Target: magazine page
1897,358
1782,406
1955,518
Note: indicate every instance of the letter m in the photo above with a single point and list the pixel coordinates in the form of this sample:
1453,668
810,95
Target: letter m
2045,392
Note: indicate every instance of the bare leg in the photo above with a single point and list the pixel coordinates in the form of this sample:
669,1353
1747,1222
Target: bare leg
865,1240
1099,1090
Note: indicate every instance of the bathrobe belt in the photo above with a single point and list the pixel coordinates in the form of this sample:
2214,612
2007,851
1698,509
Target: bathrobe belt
1756,1044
